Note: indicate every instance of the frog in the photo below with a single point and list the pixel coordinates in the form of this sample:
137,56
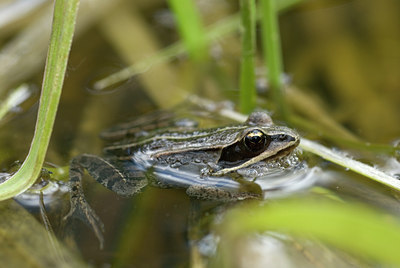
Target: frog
209,164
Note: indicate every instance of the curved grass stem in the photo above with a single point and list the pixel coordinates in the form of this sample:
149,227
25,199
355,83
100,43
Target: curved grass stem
64,18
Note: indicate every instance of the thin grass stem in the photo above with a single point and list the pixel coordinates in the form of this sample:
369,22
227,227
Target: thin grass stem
190,28
354,165
247,87
272,53
65,12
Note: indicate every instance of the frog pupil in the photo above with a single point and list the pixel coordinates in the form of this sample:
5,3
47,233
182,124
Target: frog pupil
253,143
255,140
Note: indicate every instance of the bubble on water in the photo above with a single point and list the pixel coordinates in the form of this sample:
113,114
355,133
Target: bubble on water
4,177
208,245
396,143
391,166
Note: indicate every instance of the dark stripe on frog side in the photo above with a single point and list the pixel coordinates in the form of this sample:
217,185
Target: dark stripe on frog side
273,132
184,142
186,139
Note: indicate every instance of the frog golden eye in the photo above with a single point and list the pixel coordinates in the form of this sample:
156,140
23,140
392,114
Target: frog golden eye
255,140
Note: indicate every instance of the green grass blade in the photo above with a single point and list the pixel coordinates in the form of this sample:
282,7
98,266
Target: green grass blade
352,227
65,12
190,28
247,86
15,98
272,52
216,31
162,56
354,165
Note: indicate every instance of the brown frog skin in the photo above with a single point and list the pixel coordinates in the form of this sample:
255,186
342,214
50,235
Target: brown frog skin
208,163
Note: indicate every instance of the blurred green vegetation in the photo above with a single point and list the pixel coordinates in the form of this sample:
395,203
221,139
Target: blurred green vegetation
352,227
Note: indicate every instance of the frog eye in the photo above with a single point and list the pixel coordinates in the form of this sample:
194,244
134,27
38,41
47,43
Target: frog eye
255,140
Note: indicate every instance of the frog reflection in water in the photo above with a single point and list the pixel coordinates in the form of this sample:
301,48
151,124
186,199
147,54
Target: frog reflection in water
210,164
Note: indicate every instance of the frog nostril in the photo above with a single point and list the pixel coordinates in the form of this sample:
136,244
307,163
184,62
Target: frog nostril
285,138
282,137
